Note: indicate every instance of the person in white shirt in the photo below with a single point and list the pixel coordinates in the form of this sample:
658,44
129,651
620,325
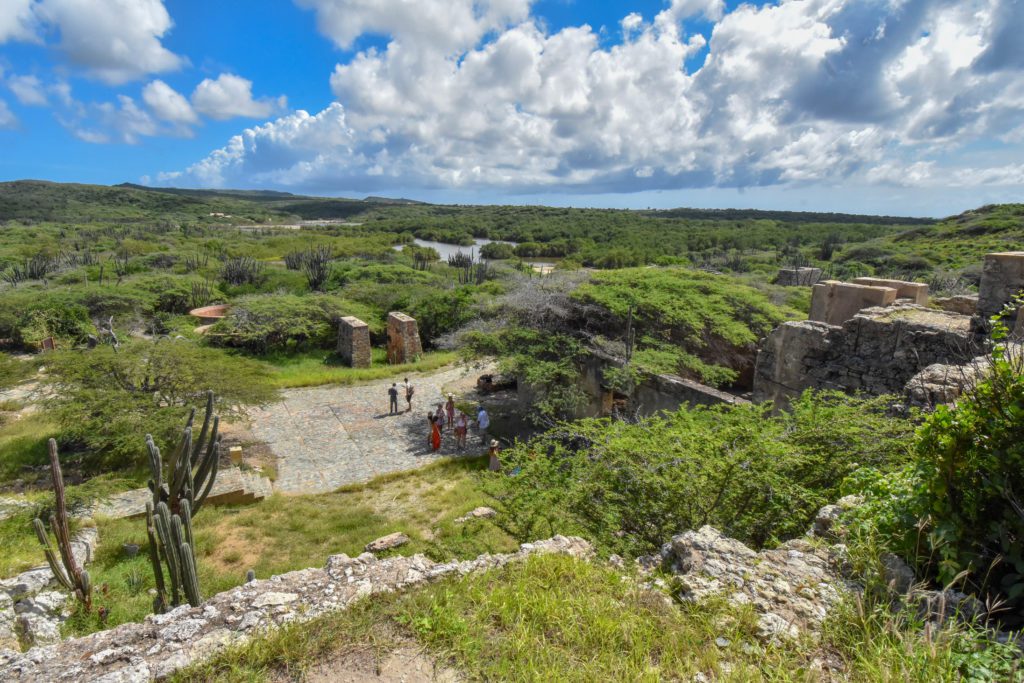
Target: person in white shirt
483,421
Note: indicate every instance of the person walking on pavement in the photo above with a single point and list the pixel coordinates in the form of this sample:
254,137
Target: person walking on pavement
435,432
393,399
439,414
449,408
483,421
409,391
461,426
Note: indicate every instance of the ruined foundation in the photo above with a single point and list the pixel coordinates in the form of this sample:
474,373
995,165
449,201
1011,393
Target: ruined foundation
917,292
354,342
878,351
1002,278
798,277
403,339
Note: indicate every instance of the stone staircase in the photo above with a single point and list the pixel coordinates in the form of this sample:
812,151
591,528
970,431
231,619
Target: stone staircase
233,487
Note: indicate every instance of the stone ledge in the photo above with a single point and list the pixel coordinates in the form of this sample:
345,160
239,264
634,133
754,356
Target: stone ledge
163,644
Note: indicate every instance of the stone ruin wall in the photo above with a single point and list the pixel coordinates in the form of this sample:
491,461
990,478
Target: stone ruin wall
875,336
878,351
404,344
354,342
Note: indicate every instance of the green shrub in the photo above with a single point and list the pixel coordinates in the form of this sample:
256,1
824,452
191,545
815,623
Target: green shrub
956,511
107,400
284,323
497,251
756,477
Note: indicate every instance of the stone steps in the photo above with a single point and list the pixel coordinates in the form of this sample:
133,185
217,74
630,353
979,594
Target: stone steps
233,487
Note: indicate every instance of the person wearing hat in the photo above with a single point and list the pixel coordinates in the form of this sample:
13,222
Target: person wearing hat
494,465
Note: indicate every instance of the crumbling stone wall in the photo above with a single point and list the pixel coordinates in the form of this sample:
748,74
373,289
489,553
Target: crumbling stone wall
878,351
403,339
1002,278
162,644
354,342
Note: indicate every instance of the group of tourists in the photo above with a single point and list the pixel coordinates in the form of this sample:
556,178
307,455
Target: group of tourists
445,416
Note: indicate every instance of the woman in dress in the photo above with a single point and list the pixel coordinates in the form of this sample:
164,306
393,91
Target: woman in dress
435,432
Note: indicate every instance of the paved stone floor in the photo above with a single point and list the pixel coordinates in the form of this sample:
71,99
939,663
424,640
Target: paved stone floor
327,437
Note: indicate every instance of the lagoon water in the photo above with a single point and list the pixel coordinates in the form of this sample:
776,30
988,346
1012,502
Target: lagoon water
446,250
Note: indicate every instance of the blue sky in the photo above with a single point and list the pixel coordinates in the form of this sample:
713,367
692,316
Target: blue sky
880,106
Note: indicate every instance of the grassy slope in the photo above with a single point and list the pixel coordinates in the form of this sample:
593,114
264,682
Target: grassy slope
316,368
285,533
961,241
554,618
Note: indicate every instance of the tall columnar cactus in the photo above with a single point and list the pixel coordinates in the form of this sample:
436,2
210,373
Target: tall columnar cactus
193,467
170,545
67,571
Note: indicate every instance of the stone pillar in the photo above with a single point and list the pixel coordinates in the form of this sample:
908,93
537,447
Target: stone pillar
403,339
354,342
1002,277
836,302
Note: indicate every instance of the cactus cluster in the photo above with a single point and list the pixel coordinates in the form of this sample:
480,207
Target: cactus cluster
171,544
176,500
67,571
193,465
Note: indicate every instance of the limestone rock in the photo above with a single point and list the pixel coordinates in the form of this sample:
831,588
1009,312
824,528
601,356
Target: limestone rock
477,513
964,304
825,523
387,542
792,587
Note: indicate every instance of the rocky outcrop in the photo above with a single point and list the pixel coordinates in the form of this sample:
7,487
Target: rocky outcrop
877,352
792,587
31,612
162,644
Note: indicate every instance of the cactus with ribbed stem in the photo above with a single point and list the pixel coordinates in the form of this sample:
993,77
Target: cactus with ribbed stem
193,465
171,542
67,571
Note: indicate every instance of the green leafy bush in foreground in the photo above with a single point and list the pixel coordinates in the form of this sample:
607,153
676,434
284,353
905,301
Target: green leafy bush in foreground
757,477
957,511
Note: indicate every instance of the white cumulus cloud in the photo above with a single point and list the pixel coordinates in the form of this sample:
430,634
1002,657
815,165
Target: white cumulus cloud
28,89
115,41
229,96
7,118
479,94
168,104
17,21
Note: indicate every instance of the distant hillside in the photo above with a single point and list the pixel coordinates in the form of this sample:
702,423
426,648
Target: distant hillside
43,201
786,216
955,243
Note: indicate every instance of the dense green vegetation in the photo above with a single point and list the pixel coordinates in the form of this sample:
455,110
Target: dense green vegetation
111,274
756,477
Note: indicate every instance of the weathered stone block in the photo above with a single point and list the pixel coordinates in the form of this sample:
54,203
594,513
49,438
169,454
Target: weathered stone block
354,342
403,339
794,277
834,302
780,370
964,304
917,292
1002,278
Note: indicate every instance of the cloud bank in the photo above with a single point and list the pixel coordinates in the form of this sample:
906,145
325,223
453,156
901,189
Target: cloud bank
478,94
